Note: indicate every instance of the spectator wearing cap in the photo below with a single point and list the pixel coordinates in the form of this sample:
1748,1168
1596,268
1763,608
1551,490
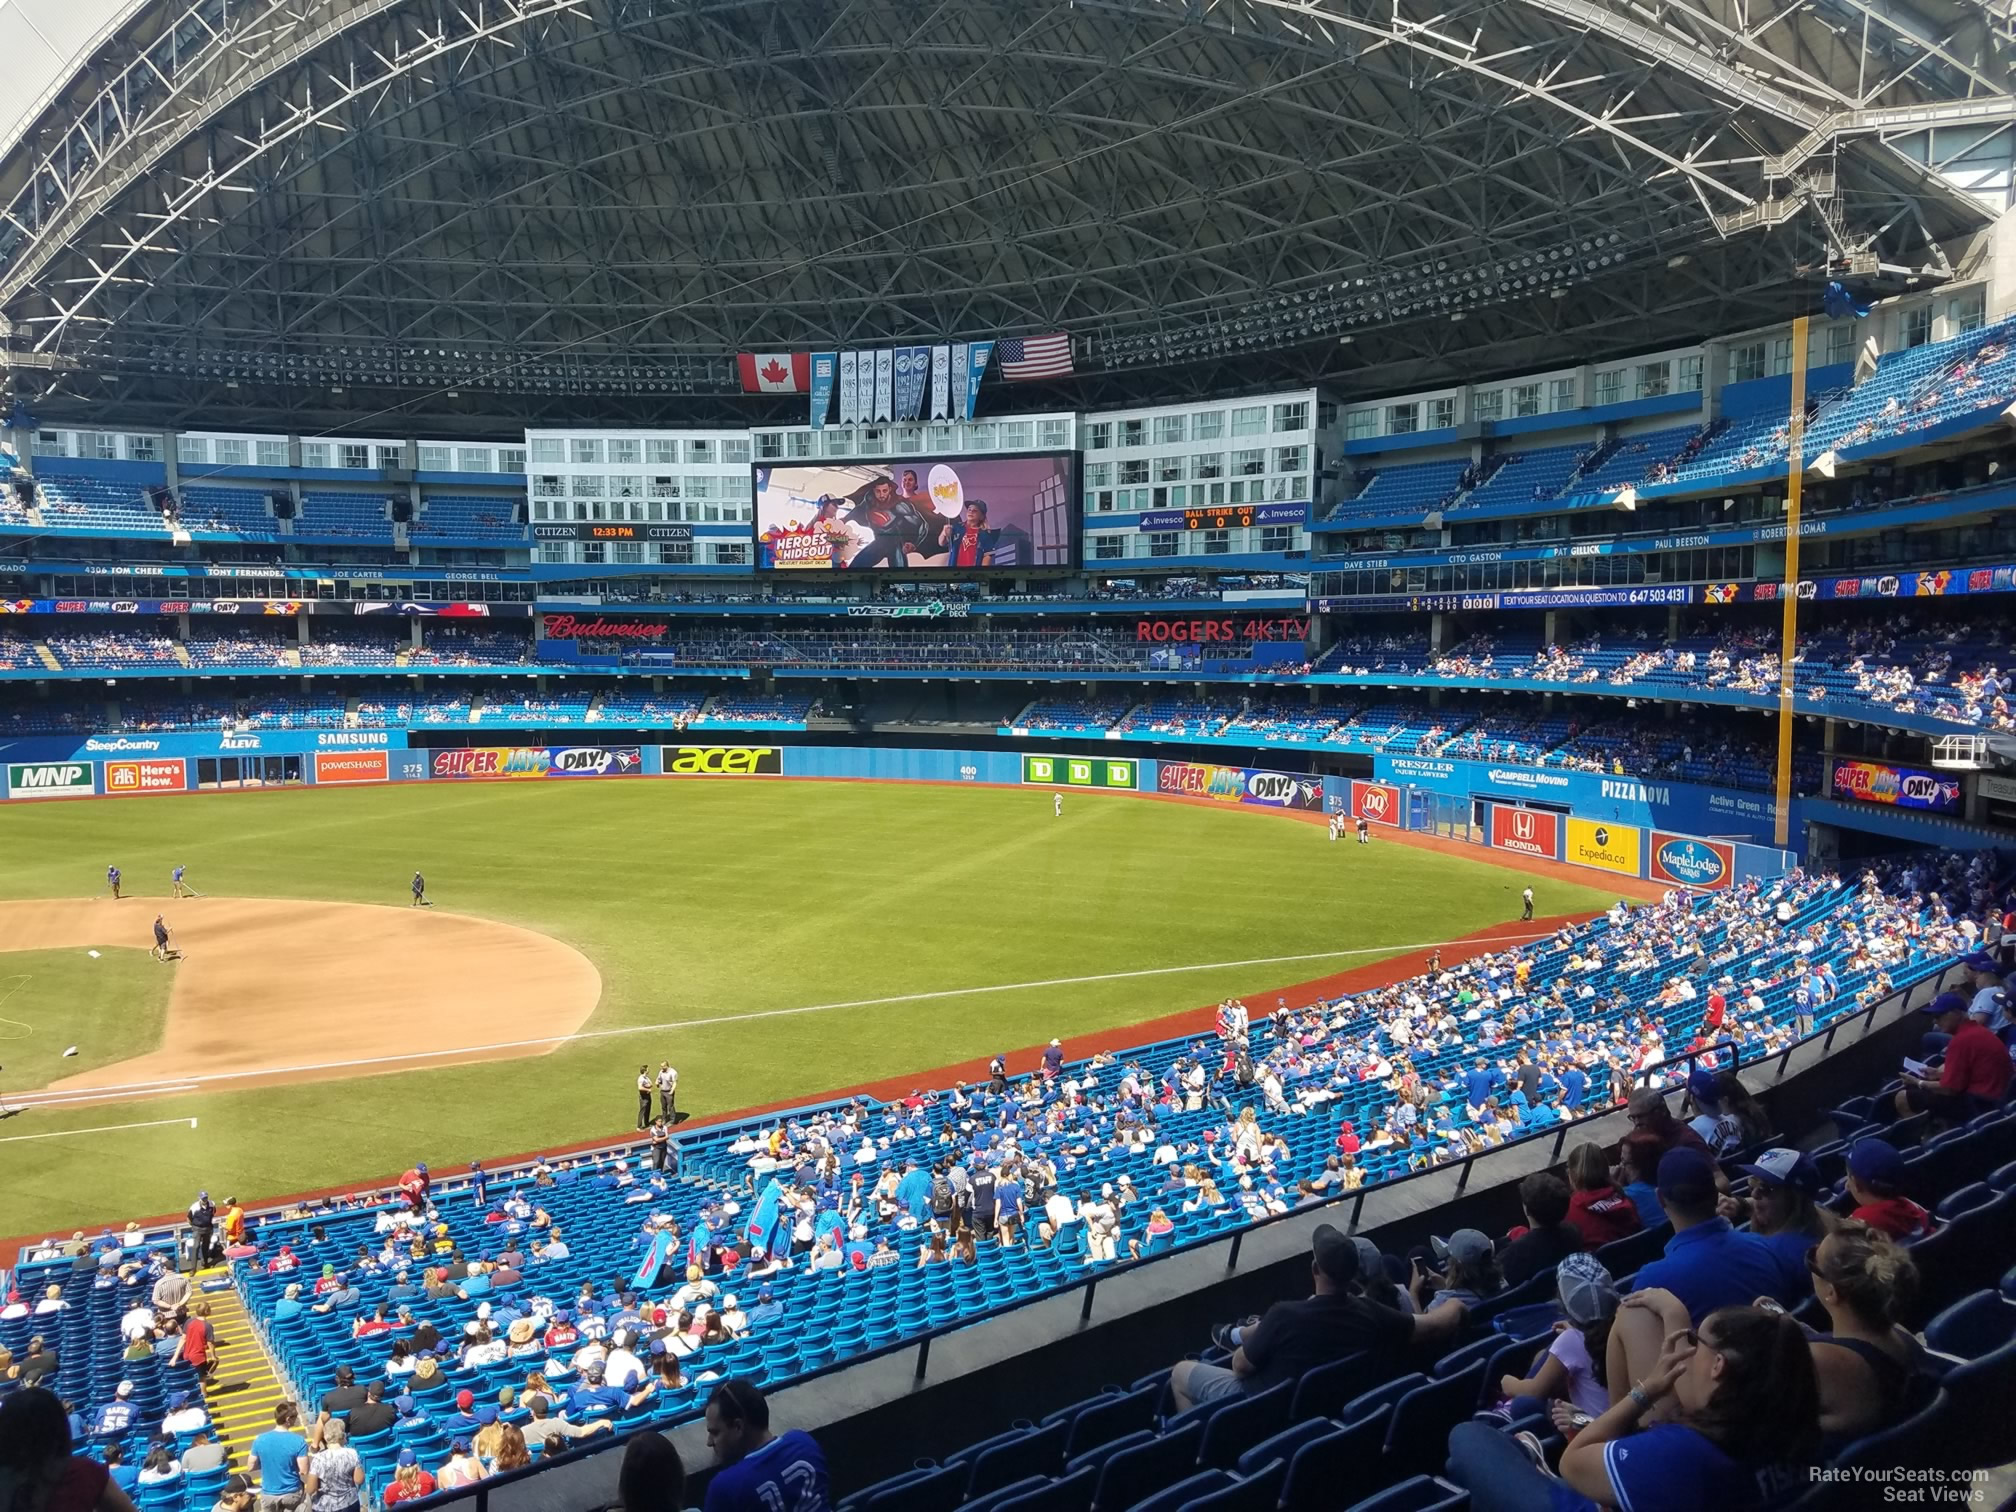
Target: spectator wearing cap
1572,1367
409,1481
1872,1371
1984,980
490,1426
462,1467
1718,1127
235,1495
1783,1209
372,1415
594,1397
463,1418
1707,1263
1974,1076
545,1426
116,1416
1469,1272
185,1414
767,1309
1876,1183
1292,1337
1549,1237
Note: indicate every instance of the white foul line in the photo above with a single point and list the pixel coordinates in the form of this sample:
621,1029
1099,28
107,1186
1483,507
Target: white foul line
158,1123
149,1089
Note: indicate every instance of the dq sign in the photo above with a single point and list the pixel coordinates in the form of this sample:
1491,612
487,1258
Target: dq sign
1375,802
1530,832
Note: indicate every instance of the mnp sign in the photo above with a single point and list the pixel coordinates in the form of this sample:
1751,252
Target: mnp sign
1529,832
1607,847
49,779
1078,771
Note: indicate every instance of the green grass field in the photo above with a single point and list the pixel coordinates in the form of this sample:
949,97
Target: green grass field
701,903
110,1006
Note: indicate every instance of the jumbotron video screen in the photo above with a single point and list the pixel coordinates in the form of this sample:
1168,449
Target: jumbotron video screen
945,513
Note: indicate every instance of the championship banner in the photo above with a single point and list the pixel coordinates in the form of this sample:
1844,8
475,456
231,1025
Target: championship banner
941,380
169,775
850,387
823,374
976,368
1706,865
1529,832
885,371
962,377
1606,847
538,761
1375,802
1079,771
352,766
1898,787
723,761
1264,789
913,366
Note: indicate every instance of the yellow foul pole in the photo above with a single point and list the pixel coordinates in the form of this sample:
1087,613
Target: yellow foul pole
1788,638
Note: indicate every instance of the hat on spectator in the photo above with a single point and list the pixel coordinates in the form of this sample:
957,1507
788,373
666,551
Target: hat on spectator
236,1485
1334,1255
404,1405
1588,1294
507,1397
1981,960
1945,1003
464,1399
520,1331
1467,1246
178,1401
124,1389
407,1457
1785,1168
1876,1162
1701,1087
460,1446
1687,1173
657,1346
486,1414
1370,1261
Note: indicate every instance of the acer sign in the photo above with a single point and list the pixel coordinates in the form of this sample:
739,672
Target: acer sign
1375,802
723,761
595,627
1530,832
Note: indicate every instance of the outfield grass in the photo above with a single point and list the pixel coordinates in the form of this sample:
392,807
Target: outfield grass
108,1003
701,902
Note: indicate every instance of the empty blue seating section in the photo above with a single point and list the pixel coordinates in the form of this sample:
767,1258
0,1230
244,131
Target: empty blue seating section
239,511
1631,459
1525,477
74,499
483,520
1409,488
344,517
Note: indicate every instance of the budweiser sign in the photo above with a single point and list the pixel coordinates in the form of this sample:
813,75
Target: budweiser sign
572,627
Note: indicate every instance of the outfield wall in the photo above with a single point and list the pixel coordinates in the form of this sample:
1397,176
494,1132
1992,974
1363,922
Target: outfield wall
1665,833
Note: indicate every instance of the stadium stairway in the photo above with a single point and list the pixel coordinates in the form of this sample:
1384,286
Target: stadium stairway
247,1386
47,657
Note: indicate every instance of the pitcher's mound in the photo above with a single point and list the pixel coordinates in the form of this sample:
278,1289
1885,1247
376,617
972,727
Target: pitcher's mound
271,990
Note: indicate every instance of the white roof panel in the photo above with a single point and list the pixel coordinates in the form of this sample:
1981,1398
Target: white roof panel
42,41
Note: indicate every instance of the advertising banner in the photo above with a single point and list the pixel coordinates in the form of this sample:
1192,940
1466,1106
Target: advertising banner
352,766
1530,832
939,512
595,761
1230,784
1235,631
600,530
1899,787
155,776
490,761
49,779
723,761
1706,865
1375,802
602,627
1607,847
1079,771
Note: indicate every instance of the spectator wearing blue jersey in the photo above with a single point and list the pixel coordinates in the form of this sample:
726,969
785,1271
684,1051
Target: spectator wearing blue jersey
1479,1083
760,1470
281,1455
116,1416
1708,1264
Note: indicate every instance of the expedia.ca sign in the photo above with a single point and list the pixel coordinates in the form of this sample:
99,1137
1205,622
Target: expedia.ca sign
723,761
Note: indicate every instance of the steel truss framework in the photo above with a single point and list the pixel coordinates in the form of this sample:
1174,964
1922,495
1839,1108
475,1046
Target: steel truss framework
540,208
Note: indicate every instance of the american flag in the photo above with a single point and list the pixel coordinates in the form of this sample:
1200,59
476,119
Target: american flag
1024,358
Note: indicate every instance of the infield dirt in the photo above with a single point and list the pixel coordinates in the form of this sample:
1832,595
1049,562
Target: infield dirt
281,990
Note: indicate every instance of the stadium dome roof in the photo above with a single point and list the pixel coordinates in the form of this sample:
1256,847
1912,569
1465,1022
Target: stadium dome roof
469,212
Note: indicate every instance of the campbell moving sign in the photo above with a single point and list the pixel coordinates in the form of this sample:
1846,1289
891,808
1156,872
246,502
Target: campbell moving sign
49,779
598,627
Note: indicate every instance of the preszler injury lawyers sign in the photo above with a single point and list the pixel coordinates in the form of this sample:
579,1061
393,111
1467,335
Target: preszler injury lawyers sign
1077,771
48,779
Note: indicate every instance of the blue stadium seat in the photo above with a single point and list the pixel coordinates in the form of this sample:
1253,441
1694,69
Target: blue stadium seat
1068,1493
1973,1326
1418,1436
1323,1391
1185,1491
1139,1470
1110,1418
936,1490
1249,1493
1319,1467
1420,1493
1245,1422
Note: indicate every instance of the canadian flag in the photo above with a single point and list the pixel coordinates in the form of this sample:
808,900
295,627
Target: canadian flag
775,372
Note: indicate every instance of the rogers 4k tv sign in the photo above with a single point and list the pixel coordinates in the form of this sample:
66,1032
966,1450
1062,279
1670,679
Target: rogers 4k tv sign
1682,859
